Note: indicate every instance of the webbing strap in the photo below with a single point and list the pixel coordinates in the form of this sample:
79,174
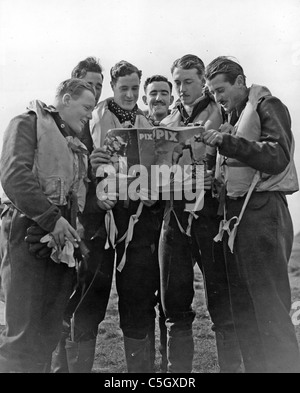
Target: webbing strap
134,218
111,230
225,225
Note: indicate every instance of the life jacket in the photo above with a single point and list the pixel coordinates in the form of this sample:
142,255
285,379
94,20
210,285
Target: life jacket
104,120
59,163
238,176
210,113
212,110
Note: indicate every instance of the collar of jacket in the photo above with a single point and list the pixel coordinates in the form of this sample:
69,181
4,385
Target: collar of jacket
198,108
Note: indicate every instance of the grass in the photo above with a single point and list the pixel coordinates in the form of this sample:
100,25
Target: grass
110,357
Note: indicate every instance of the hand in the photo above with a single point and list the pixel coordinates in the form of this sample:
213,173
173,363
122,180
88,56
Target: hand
208,181
33,237
64,231
106,204
212,138
99,156
226,128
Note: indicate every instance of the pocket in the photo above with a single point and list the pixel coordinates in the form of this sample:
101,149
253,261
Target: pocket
259,200
55,189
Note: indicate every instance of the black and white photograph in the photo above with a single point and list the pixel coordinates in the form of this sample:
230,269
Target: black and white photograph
92,282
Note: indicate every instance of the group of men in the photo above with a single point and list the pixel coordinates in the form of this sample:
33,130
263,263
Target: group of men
60,242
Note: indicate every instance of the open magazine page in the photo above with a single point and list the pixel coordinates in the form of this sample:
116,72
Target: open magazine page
159,159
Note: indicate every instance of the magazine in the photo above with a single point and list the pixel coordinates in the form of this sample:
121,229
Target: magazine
162,158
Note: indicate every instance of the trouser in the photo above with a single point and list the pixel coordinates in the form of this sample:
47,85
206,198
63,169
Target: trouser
212,265
36,292
259,284
136,287
86,308
178,252
91,297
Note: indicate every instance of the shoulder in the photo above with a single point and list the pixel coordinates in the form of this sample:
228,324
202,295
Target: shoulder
24,120
270,106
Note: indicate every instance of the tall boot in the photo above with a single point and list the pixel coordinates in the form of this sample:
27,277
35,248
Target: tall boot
137,354
59,357
180,352
80,355
229,354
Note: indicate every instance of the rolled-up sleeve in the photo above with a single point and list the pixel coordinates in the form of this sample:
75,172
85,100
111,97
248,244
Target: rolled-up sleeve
272,153
17,179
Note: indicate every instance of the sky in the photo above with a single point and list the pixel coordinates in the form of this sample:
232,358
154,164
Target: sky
41,42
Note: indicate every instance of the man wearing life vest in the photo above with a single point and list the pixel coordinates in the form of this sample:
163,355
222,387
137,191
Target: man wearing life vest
256,148
188,238
43,174
158,97
138,223
87,306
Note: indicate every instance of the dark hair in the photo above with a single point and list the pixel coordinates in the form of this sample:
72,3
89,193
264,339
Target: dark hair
157,78
224,65
90,64
188,62
74,87
123,68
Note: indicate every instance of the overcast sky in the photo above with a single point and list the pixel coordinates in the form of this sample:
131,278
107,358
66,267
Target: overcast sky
41,41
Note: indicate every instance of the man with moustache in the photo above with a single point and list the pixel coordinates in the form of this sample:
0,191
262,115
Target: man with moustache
158,97
187,239
137,276
256,148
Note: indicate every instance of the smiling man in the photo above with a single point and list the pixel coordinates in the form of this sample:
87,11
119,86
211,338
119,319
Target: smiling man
138,281
192,241
43,171
158,97
256,164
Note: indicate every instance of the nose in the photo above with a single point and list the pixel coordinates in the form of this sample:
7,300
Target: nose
159,97
129,94
182,88
89,115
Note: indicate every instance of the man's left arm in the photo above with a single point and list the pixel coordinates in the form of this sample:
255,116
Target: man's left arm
272,153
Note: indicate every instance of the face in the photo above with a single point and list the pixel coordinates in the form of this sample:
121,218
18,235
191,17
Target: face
158,97
126,91
226,94
77,112
188,85
95,79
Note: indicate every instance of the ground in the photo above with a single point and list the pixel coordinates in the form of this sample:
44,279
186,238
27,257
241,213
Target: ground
110,357
110,354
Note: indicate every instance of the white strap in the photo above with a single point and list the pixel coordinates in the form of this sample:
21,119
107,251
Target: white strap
129,234
225,225
111,230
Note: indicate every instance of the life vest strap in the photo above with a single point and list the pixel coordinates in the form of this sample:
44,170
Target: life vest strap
134,218
225,224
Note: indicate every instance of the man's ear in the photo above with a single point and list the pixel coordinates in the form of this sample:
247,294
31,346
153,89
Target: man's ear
171,100
240,80
144,98
112,86
66,99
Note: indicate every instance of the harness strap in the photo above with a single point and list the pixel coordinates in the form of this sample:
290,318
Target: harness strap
134,218
111,230
225,225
